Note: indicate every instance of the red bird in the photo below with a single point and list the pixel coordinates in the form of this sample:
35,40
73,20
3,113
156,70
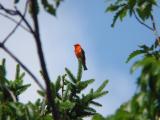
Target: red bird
80,54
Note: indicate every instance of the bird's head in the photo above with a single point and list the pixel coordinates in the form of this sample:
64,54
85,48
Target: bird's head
77,45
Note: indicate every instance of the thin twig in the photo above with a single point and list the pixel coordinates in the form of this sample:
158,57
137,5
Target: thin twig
12,94
9,11
26,22
150,28
22,65
154,26
17,25
13,20
17,12
22,16
11,33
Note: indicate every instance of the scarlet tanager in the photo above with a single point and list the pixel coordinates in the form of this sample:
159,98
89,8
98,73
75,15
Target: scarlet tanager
80,54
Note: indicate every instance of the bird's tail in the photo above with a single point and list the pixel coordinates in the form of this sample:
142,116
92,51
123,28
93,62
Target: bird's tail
85,67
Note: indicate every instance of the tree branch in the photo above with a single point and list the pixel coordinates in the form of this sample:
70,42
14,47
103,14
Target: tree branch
142,23
51,101
13,20
26,22
15,28
10,34
22,65
8,11
154,26
17,12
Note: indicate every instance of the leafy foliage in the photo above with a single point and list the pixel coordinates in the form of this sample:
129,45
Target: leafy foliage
67,92
72,104
10,107
98,117
144,105
48,6
146,51
143,8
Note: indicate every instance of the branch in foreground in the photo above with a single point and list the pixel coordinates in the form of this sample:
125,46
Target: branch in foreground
22,65
51,101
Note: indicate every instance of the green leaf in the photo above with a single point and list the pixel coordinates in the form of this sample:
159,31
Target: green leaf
48,7
58,83
66,105
83,84
98,117
131,5
112,8
134,54
96,104
120,14
17,72
89,109
141,63
71,76
123,14
41,93
36,8
3,68
79,74
58,2
102,86
98,95
22,88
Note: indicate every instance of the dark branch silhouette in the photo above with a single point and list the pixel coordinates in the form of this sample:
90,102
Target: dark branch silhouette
18,24
22,65
154,26
142,23
36,34
2,45
13,20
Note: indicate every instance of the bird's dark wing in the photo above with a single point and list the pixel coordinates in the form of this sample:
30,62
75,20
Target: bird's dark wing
83,56
84,60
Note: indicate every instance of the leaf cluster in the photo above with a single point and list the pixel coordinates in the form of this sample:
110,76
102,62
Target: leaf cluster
145,104
10,107
49,6
71,102
67,91
145,50
143,8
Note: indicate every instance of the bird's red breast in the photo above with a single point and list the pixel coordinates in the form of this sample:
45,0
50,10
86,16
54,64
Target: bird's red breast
78,50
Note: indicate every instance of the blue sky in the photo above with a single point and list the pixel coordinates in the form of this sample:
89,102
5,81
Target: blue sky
84,22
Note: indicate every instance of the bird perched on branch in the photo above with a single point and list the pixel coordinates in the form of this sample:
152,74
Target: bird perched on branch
80,54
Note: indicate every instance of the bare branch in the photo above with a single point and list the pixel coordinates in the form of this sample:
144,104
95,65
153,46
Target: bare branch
11,33
17,12
17,25
22,65
26,22
154,26
13,20
8,11
51,101
142,23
